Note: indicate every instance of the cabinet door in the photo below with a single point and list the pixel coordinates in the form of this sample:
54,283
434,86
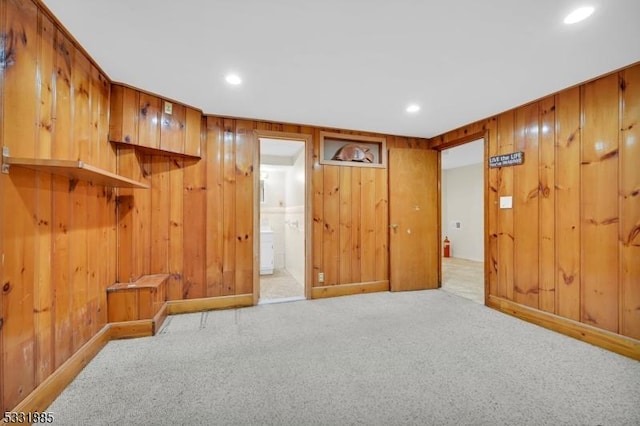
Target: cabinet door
172,130
123,124
149,121
193,132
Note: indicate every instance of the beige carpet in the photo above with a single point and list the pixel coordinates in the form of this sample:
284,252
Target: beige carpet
412,358
463,278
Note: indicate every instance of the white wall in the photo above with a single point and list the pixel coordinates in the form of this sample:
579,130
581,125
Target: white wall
272,211
294,219
462,201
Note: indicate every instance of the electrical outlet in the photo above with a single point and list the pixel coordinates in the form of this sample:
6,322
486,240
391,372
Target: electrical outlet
320,277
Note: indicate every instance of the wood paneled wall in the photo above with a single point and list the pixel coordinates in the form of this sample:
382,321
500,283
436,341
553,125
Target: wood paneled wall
196,222
57,238
571,244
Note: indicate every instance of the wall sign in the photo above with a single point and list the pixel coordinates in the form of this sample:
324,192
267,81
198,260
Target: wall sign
513,159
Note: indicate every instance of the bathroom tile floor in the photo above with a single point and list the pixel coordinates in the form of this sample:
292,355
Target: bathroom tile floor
280,285
464,278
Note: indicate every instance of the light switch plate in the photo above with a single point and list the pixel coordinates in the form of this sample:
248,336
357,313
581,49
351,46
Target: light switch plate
506,202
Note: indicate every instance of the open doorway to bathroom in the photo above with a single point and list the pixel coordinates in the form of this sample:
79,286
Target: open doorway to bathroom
462,201
282,220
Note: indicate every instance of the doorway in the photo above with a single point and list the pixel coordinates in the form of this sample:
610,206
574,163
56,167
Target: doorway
282,219
462,216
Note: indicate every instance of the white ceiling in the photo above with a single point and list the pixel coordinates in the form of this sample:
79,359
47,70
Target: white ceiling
462,155
280,147
354,64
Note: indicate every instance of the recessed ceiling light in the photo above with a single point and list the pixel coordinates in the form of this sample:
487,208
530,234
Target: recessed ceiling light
233,79
578,15
413,108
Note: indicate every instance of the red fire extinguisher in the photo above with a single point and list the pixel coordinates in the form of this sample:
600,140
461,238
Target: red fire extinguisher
447,247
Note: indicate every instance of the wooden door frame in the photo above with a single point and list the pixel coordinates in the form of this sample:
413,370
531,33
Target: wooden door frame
308,148
484,134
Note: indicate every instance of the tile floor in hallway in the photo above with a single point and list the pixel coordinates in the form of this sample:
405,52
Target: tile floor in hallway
464,278
279,285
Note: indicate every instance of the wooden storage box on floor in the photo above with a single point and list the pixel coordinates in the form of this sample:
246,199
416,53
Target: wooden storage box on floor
139,300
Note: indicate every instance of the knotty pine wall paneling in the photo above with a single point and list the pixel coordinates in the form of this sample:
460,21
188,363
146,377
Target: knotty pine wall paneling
525,208
176,229
630,203
568,184
57,237
201,215
570,244
505,247
2,198
214,223
546,205
599,203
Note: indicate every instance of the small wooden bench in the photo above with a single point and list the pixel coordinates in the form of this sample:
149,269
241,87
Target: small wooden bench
139,300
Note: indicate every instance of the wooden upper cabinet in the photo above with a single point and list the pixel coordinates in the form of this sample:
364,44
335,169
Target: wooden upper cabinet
193,132
153,123
149,121
123,122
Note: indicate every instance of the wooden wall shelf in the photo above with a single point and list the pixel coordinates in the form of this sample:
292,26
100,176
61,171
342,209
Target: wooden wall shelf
72,169
156,151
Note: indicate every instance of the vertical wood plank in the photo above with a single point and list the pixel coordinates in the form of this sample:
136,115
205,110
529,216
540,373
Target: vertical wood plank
160,207
630,203
109,245
116,114
46,81
567,211
3,182
492,184
244,200
368,224
381,225
317,211
506,122
21,86
149,120
20,97
78,265
94,259
176,230
123,125
81,144
172,128
546,242
331,214
229,209
194,229
356,214
100,120
127,164
193,132
63,117
214,156
599,195
142,218
43,291
345,224
525,207
18,285
60,268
